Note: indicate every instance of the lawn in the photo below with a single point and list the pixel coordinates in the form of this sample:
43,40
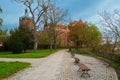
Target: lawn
30,54
9,68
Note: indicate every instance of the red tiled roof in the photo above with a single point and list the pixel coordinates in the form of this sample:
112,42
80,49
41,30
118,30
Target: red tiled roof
61,26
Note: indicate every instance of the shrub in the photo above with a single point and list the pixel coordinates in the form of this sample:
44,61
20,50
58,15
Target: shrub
15,44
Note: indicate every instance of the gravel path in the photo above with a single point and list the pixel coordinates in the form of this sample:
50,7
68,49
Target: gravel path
41,69
99,69
60,66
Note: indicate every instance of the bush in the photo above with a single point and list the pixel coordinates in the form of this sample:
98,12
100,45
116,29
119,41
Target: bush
15,44
43,46
5,46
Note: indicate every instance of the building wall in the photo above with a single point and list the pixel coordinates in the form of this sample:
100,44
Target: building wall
28,22
62,35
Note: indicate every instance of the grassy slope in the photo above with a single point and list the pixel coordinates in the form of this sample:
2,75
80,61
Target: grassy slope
9,68
31,54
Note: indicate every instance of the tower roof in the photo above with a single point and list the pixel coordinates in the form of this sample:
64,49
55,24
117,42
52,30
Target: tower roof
26,15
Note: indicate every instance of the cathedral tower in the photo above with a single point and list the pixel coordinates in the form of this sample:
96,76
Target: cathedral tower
26,20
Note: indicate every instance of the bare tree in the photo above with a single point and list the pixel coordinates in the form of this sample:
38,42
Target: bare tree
52,17
112,27
37,8
55,15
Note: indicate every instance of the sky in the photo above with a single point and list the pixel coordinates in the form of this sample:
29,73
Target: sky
86,10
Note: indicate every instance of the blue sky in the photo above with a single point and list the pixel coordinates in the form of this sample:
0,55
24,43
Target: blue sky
87,10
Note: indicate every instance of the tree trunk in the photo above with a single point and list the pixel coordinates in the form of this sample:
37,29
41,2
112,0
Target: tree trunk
35,40
54,42
76,45
35,45
51,48
54,36
113,48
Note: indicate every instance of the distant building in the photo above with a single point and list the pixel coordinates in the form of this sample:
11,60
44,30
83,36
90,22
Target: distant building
62,32
26,20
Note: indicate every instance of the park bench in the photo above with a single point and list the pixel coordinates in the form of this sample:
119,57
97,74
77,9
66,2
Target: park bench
76,60
84,69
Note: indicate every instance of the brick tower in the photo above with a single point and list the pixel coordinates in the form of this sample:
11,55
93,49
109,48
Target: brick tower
26,20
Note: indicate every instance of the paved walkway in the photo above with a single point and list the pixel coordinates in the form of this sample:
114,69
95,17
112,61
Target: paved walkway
60,66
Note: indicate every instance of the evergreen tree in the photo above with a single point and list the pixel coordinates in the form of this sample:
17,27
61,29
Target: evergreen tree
20,40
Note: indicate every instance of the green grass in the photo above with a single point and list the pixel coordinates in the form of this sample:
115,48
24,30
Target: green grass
9,68
117,52
30,54
118,77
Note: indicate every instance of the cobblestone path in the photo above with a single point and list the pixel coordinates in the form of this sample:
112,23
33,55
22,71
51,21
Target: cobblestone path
60,66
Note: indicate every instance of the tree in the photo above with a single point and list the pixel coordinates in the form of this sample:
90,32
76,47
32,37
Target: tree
43,39
20,40
3,35
26,36
50,37
1,18
53,16
74,28
37,8
15,44
84,34
111,24
93,36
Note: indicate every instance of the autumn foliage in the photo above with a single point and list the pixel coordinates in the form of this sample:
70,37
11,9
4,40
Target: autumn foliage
84,34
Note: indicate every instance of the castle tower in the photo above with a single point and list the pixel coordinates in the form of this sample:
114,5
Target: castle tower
26,20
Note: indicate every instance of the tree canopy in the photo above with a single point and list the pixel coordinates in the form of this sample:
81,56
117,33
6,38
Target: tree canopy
1,18
84,34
